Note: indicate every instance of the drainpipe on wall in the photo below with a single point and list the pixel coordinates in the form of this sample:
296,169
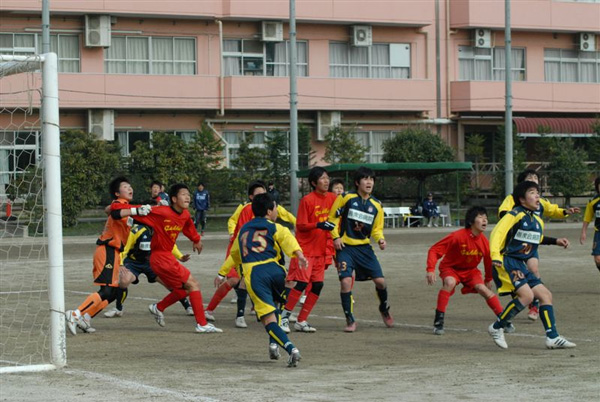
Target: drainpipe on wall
221,73
218,134
438,69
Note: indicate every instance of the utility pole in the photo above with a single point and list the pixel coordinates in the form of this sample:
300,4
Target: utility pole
508,149
294,195
45,26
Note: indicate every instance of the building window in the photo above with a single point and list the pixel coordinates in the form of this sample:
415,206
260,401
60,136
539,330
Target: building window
65,46
373,141
483,64
383,60
235,138
150,55
253,57
127,139
18,151
566,65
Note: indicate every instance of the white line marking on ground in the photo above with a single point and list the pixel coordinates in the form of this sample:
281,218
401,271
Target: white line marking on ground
133,386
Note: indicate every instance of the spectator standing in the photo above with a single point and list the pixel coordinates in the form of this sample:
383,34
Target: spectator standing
273,192
201,204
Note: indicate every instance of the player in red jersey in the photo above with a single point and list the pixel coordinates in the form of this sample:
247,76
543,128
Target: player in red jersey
462,251
242,215
312,233
168,222
107,257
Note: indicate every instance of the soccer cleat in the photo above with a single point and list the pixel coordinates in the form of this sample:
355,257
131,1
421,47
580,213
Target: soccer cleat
85,324
209,315
207,329
302,299
303,326
388,320
71,319
559,343
240,322
293,317
233,300
274,351
158,315
189,311
498,336
510,328
294,358
350,326
439,329
533,313
114,313
285,325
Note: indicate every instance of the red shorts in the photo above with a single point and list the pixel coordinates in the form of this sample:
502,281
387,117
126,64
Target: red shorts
315,272
169,270
468,277
233,273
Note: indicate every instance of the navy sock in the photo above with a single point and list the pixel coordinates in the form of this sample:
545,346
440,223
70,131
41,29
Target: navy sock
121,296
383,300
185,303
547,318
241,301
535,303
513,308
347,303
277,335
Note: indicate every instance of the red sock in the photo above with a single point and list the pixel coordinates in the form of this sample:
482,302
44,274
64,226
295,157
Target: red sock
293,299
219,295
443,299
308,288
495,305
171,298
311,300
196,302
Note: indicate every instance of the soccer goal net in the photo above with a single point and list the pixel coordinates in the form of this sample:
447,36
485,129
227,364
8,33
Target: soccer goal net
32,329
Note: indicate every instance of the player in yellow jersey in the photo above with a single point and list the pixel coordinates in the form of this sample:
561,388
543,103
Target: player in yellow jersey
592,214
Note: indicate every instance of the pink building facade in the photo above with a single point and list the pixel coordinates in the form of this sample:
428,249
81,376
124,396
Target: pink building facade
131,68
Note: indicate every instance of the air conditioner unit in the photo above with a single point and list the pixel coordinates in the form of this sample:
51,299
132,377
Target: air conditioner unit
272,31
362,35
101,122
325,122
482,37
97,30
587,42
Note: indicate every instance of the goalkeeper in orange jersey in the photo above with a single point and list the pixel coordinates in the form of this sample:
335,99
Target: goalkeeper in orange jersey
313,234
547,209
107,258
461,253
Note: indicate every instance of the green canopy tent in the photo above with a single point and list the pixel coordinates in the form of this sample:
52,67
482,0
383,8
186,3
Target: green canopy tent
418,170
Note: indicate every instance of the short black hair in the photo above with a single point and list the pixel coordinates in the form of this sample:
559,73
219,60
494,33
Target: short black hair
521,177
473,213
175,189
334,182
597,184
156,182
254,185
522,188
200,183
363,172
115,184
261,204
315,174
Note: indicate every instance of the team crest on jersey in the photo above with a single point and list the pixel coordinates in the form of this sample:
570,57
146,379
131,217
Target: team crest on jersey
524,224
355,204
370,209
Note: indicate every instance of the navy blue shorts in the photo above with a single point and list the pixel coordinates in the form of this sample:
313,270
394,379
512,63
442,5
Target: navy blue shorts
519,274
137,268
360,259
596,245
265,284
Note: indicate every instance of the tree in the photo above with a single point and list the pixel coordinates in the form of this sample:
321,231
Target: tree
518,159
342,147
87,165
417,144
567,172
250,164
474,149
278,158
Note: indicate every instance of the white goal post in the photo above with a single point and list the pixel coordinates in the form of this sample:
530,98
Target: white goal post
52,216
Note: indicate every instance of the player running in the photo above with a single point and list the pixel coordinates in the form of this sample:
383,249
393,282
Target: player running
461,253
513,241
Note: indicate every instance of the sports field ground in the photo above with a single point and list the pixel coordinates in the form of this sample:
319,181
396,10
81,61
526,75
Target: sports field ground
133,359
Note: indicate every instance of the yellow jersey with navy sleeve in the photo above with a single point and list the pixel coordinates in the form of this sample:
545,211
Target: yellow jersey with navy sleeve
137,248
261,241
518,235
592,212
356,219
547,209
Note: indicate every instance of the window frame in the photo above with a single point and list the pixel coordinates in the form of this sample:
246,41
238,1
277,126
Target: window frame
14,149
37,48
369,65
562,60
492,69
262,72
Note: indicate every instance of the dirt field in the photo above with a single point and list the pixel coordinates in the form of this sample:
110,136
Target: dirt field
133,359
